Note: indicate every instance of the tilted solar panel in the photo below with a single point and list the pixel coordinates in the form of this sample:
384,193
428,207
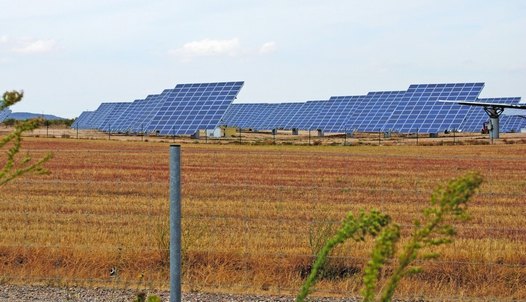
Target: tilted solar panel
419,109
4,114
375,110
244,116
191,107
100,115
123,122
334,114
82,121
306,115
146,111
117,110
512,123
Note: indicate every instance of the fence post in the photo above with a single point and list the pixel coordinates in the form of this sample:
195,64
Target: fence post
175,223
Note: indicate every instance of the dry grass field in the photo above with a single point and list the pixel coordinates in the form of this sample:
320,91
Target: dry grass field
249,212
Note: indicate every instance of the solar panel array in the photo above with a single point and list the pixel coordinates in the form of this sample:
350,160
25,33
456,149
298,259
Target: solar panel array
190,107
82,121
419,109
4,114
512,123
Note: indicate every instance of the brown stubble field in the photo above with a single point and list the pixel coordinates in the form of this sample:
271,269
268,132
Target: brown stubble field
248,212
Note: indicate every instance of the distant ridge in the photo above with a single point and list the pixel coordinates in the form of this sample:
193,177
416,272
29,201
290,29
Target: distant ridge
28,115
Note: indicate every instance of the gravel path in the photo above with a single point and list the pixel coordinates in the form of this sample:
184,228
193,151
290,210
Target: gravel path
18,293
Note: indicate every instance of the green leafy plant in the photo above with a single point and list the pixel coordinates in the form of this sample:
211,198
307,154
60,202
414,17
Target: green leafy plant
15,166
448,204
352,228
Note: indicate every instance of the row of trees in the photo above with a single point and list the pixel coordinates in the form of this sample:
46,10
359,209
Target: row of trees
10,122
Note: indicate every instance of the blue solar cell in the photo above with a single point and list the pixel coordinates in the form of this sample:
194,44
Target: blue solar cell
82,121
113,114
334,115
305,117
374,110
191,107
100,115
4,114
146,111
419,110
512,123
123,122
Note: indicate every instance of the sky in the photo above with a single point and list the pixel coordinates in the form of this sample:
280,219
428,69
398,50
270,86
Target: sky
69,56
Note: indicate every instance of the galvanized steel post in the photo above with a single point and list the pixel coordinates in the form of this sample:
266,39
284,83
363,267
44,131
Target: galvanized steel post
175,223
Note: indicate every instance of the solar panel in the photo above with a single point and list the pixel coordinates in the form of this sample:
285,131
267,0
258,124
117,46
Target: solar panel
82,121
243,115
334,114
123,122
4,114
306,115
190,107
476,116
375,111
512,123
146,111
99,115
113,114
280,115
419,109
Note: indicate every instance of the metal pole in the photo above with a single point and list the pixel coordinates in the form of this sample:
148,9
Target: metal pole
240,135
109,132
309,136
175,223
379,138
77,130
417,136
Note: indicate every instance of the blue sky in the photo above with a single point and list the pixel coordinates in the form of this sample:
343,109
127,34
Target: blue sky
69,56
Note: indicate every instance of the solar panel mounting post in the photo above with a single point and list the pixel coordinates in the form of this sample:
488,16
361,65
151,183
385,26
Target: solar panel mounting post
175,223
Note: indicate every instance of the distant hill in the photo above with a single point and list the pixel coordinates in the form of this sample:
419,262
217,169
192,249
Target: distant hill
28,115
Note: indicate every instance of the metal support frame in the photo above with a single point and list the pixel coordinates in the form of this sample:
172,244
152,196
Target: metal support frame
494,113
175,223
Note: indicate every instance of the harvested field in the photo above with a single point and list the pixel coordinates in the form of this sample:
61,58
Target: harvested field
249,212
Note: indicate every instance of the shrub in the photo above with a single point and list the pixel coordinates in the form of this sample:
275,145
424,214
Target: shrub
448,204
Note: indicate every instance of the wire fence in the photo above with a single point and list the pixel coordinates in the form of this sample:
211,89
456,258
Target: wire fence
255,216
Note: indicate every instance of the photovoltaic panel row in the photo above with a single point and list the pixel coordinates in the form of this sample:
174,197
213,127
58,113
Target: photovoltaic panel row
146,111
476,116
278,116
190,107
114,114
335,114
375,110
242,115
122,123
100,115
419,109
4,114
304,118
82,121
512,123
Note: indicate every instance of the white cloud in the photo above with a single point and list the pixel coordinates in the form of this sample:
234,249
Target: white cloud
268,47
35,46
208,47
4,39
